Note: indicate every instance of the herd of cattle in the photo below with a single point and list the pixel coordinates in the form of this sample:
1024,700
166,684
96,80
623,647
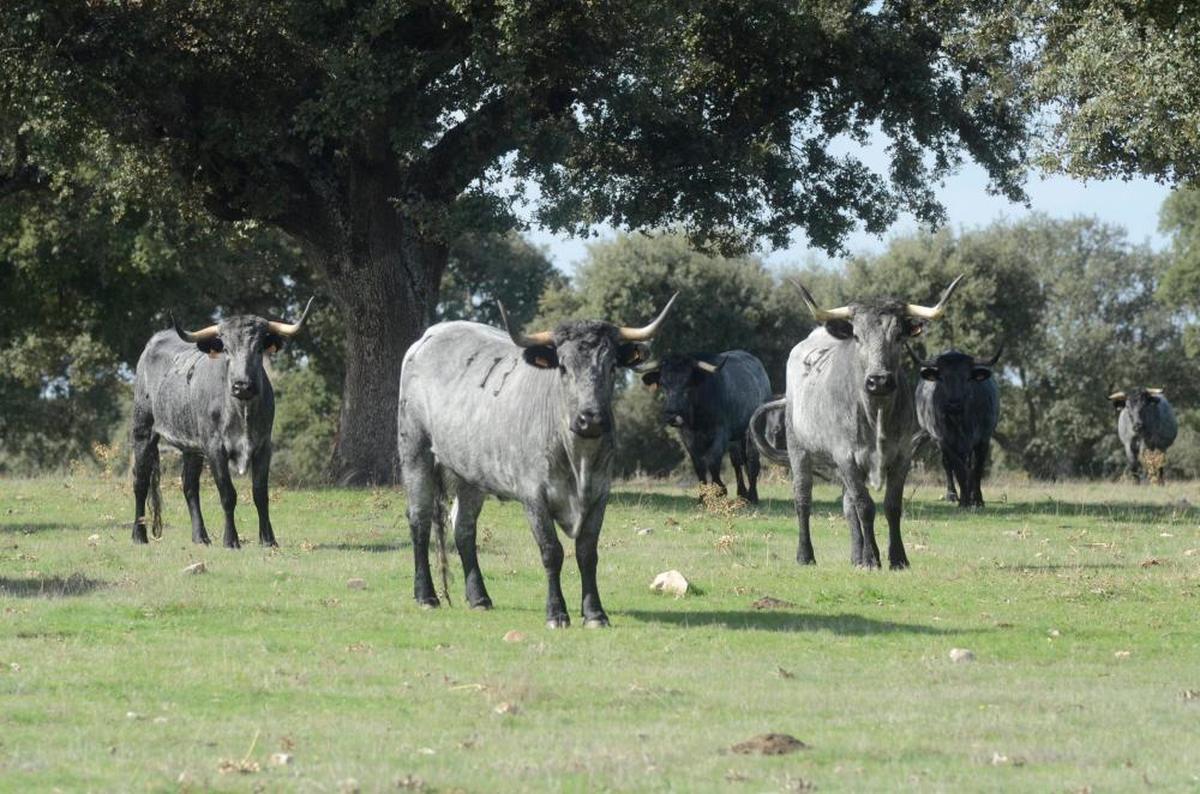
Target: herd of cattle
530,418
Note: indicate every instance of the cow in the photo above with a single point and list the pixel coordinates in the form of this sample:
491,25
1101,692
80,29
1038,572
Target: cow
207,394
848,405
709,399
958,406
522,417
1145,423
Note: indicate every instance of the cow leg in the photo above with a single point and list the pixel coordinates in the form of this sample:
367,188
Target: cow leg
260,471
859,509
1132,451
753,467
714,456
464,515
738,459
893,504
948,466
552,560
978,464
193,464
420,487
220,471
586,557
145,460
802,482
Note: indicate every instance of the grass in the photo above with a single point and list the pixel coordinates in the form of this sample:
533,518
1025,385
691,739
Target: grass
1080,602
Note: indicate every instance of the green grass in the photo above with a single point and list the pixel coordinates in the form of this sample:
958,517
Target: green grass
118,672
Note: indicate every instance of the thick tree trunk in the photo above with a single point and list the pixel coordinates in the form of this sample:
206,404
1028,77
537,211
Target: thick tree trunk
384,277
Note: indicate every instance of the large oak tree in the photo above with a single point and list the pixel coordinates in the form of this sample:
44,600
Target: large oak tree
374,133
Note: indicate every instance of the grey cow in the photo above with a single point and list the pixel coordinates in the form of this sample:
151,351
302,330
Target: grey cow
848,406
1145,421
521,417
709,399
206,394
958,406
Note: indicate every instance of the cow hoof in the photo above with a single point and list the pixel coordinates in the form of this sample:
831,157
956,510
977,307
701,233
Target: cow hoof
484,604
202,541
950,497
806,559
596,623
899,565
868,565
560,622
428,603
232,544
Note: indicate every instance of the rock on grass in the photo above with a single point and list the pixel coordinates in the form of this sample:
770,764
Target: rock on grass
961,655
670,582
195,568
769,744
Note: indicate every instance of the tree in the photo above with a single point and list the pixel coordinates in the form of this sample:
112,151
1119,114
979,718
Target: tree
374,133
1119,78
484,270
1180,218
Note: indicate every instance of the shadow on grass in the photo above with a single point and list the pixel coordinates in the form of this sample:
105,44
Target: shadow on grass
378,547
20,528
687,503
844,624
50,587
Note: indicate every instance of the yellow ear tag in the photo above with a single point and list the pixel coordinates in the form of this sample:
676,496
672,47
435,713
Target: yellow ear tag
214,354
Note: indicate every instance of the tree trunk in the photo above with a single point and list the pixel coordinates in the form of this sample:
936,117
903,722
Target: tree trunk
384,277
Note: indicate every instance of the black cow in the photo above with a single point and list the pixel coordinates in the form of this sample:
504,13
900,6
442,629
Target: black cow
958,406
1145,422
206,394
709,399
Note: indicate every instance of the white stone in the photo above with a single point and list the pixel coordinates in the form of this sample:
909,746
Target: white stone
671,582
959,655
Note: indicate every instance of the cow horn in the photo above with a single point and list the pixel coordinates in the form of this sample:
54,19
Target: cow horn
195,336
819,314
523,340
1117,395
934,312
1154,392
290,329
990,362
649,366
705,366
646,332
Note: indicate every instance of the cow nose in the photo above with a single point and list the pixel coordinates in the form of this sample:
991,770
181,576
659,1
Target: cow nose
588,424
882,384
243,389
674,420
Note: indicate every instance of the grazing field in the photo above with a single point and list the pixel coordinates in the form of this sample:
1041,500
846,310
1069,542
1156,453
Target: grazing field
1081,604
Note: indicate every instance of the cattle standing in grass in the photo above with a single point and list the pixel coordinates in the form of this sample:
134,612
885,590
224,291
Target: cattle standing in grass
206,394
848,405
709,399
958,406
1145,423
527,418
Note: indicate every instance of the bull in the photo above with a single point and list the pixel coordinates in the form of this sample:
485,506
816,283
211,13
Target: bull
207,394
958,406
1145,423
848,406
709,400
522,417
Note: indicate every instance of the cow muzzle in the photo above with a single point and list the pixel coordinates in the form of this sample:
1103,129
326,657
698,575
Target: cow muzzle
880,385
588,424
954,408
243,389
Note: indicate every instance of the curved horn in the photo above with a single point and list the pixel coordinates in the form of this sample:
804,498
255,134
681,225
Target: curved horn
646,332
819,314
709,368
522,340
990,362
290,329
195,336
934,312
1155,392
649,366
1117,395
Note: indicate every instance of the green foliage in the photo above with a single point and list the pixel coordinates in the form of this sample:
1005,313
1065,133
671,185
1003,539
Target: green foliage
487,269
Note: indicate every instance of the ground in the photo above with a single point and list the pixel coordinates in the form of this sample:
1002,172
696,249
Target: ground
1079,602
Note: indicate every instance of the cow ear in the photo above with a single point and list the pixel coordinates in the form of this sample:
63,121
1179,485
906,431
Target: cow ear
541,356
839,329
631,354
913,327
272,343
213,347
929,373
651,379
1119,403
980,374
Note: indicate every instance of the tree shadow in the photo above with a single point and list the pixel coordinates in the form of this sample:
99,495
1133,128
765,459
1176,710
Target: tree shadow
1121,512
24,528
379,547
50,587
689,504
783,621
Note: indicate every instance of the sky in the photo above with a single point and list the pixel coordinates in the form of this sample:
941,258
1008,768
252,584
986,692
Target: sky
1132,204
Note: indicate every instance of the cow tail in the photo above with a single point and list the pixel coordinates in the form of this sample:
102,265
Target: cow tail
439,526
756,434
156,524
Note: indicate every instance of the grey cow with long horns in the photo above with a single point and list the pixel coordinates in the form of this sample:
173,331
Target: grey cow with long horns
522,417
1145,423
207,394
848,406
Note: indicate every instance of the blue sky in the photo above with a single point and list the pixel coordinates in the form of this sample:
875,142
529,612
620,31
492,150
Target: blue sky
1132,204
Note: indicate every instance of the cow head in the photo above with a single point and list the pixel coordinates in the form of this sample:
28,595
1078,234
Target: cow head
679,376
1139,404
243,340
878,331
586,354
953,373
